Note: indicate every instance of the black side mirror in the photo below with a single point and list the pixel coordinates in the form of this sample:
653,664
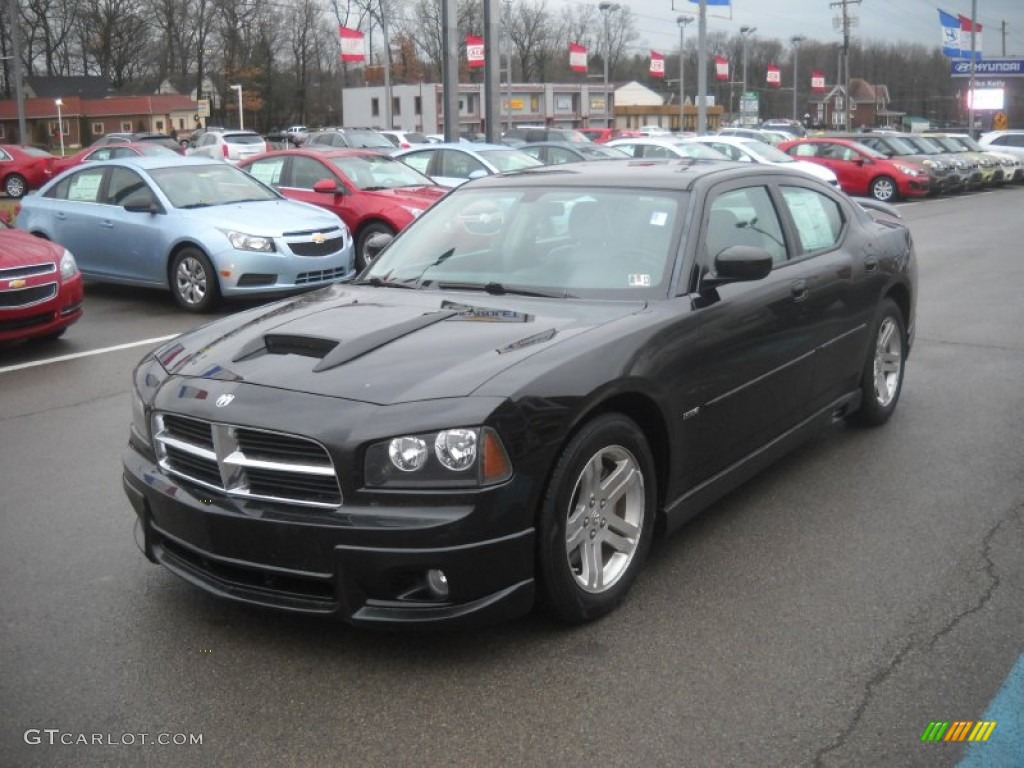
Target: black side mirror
377,243
142,204
737,264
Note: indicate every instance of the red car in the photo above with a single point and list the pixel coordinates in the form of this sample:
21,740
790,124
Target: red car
861,170
601,135
370,192
108,152
24,168
40,287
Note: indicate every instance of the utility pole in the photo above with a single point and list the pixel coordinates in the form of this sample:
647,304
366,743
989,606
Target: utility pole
492,71
846,21
702,68
1003,27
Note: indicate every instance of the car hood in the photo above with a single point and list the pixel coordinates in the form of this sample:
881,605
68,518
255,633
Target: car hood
19,249
266,218
383,345
419,197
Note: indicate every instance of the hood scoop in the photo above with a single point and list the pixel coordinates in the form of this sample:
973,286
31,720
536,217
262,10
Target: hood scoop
333,352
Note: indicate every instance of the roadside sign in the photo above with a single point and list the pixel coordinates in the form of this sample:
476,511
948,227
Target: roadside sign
204,108
999,122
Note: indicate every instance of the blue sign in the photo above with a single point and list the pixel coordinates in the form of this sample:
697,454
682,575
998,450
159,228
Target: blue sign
989,68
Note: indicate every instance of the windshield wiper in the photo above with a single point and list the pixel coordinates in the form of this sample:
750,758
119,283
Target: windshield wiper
377,188
377,282
500,289
193,205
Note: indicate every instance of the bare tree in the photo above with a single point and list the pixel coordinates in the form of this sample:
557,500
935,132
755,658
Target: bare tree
117,39
531,32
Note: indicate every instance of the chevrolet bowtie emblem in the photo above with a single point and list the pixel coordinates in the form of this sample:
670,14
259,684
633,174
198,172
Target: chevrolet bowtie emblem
17,283
319,238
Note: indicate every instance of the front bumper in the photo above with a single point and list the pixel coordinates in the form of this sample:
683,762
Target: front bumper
44,318
367,570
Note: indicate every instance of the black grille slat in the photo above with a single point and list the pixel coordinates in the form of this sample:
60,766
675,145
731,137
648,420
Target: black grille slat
194,466
293,486
327,247
279,447
22,297
320,275
196,432
29,270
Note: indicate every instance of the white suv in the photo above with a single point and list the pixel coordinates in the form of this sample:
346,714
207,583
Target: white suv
232,146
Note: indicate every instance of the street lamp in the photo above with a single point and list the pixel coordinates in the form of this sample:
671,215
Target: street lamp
745,33
238,88
682,21
606,9
796,40
60,125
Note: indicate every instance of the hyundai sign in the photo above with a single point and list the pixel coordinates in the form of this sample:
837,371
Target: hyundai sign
989,67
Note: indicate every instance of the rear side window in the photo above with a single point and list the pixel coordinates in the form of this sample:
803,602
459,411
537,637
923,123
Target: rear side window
83,187
268,171
242,138
818,219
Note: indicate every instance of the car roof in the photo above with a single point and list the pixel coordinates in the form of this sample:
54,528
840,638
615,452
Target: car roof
462,146
674,174
152,162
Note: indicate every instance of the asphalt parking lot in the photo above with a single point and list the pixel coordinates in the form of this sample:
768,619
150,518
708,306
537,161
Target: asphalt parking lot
824,614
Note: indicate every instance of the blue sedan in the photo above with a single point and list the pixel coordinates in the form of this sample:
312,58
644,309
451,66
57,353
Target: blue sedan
201,228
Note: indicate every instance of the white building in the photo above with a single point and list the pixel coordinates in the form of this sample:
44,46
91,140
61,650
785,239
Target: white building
421,107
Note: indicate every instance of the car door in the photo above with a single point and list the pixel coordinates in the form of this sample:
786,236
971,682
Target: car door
72,215
303,172
131,241
757,340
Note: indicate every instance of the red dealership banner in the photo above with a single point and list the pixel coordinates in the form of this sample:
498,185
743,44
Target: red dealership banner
577,58
474,51
818,81
657,64
352,44
774,75
721,68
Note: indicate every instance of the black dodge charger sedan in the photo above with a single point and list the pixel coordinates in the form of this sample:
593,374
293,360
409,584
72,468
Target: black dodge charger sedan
542,372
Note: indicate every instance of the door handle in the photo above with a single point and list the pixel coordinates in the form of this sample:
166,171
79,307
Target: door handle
870,263
798,289
107,224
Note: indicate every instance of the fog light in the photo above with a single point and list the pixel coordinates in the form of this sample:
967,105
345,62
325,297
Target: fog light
438,583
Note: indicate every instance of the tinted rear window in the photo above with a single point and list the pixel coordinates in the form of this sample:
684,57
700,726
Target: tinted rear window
242,138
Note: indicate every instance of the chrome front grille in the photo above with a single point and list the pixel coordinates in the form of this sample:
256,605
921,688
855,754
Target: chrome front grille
323,248
246,462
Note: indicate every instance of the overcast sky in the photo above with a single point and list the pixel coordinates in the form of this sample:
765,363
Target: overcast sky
915,21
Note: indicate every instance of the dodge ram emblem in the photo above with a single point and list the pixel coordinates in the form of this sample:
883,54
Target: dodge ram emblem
224,400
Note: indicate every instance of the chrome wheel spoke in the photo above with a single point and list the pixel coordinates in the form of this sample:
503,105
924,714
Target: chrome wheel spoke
593,568
619,482
621,527
619,543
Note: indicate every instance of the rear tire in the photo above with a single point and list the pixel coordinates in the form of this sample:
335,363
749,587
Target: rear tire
15,185
882,379
193,280
597,520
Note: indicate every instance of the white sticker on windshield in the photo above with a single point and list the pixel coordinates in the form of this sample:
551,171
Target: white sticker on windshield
658,218
639,281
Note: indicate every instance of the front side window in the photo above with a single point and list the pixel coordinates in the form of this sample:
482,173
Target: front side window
818,218
306,172
122,184
744,216
459,165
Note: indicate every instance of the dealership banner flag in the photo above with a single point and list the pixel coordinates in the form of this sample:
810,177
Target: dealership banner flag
352,44
474,51
818,81
956,36
774,75
721,68
657,64
577,58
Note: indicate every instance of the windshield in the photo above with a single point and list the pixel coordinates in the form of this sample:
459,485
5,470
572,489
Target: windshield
971,144
925,145
379,172
952,144
900,146
544,241
370,139
767,152
698,151
200,186
509,159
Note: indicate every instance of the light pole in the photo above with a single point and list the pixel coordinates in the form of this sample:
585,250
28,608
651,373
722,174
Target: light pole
606,9
682,21
60,125
241,122
745,33
796,40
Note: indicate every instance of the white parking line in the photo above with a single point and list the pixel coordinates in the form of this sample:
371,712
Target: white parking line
62,358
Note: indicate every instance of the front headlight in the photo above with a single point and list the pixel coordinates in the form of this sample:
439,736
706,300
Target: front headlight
930,164
909,171
240,241
464,457
68,266
146,380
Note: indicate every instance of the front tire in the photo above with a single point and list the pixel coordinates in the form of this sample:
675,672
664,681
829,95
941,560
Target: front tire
15,185
374,228
882,379
194,281
883,188
597,520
